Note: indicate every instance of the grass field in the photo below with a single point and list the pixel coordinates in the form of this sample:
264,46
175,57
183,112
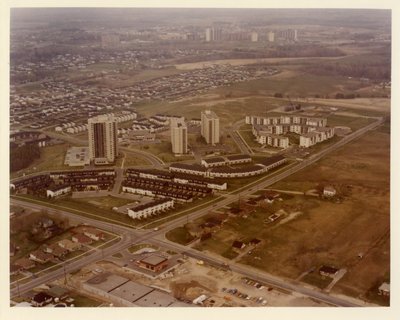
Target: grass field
107,202
353,122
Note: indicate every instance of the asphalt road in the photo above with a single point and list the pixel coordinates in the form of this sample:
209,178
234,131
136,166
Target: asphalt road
130,236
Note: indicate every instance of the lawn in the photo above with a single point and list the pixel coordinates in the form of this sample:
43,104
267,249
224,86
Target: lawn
248,136
139,246
84,301
107,202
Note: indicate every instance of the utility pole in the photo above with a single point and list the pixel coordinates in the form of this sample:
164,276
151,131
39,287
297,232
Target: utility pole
65,274
18,288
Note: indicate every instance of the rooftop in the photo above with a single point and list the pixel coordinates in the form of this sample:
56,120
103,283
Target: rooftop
238,157
131,291
156,299
154,260
106,281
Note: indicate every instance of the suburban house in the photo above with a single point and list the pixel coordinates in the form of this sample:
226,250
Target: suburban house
40,299
69,245
94,234
81,238
56,250
40,256
328,271
238,245
329,191
25,263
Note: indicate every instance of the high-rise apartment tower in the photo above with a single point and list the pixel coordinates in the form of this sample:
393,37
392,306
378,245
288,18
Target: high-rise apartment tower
178,136
210,127
103,139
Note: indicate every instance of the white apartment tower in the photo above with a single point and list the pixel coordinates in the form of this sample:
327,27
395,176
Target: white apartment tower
178,136
210,127
103,139
271,36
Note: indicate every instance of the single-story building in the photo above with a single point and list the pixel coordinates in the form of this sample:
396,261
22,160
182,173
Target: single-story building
238,245
329,191
81,238
40,256
94,234
69,245
328,271
154,263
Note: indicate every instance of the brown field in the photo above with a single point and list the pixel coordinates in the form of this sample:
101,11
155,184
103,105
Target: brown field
238,62
374,104
325,232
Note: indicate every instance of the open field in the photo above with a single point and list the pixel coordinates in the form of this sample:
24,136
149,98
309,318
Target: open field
372,104
238,62
325,232
354,123
310,85
229,110
106,202
162,150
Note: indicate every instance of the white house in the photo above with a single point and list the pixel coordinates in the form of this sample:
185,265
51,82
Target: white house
329,191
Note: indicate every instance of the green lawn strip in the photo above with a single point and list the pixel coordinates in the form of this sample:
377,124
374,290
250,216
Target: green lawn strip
139,246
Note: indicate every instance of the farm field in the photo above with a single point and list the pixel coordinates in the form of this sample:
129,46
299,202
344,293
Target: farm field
321,231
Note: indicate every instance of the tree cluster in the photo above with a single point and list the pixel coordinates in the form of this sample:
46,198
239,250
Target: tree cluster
22,156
